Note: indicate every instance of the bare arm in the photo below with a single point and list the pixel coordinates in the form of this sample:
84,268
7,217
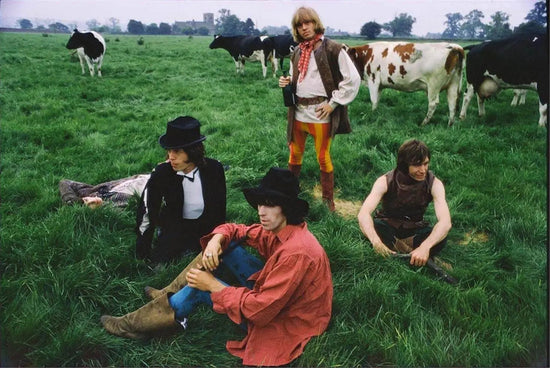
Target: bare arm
366,222
420,255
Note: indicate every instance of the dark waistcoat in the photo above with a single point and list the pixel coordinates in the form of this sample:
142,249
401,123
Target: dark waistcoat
406,200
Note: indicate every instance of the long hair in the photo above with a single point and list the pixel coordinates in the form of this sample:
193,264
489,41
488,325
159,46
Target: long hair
196,154
302,14
292,217
411,152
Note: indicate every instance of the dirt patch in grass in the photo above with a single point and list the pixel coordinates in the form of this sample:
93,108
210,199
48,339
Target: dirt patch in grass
474,237
344,208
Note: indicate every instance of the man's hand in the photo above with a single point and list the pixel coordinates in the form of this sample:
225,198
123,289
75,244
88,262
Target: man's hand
381,249
284,81
211,253
420,255
92,202
203,280
323,111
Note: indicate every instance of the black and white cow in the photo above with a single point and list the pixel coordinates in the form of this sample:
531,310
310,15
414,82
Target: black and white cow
519,62
276,48
90,46
241,48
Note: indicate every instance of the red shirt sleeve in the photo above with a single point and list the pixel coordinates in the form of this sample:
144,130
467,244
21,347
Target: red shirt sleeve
262,304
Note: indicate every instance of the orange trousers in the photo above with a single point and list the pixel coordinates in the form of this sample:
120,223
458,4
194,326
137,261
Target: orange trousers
322,139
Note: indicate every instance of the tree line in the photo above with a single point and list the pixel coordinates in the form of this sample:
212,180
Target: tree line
458,26
469,26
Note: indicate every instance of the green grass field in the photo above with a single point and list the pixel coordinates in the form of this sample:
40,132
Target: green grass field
63,267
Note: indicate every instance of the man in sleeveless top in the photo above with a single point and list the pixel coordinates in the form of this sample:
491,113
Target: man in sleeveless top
405,193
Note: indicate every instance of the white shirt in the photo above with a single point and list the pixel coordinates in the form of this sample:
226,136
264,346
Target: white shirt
193,201
312,86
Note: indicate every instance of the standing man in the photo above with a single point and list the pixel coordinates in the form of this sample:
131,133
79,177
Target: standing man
405,193
325,81
283,303
184,198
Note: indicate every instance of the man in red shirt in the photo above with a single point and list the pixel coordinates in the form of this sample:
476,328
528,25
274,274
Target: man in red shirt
285,302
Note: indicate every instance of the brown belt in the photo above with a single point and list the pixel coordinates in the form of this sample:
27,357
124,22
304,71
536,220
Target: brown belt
310,100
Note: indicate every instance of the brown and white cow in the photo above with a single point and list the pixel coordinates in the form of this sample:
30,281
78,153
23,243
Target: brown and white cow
409,67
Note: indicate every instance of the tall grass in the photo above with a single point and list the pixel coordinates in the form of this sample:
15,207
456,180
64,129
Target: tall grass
62,267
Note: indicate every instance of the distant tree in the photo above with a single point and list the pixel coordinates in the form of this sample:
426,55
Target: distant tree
92,24
231,26
224,14
114,24
453,26
248,27
24,24
152,29
499,27
187,31
400,26
530,28
539,13
165,29
135,27
203,31
472,27
371,30
58,28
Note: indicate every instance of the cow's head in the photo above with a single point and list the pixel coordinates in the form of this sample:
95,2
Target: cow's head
75,41
217,43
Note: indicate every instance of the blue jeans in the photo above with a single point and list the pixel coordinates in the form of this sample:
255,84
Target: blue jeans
241,263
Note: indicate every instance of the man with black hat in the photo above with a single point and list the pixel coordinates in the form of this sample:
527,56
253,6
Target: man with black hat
185,197
283,303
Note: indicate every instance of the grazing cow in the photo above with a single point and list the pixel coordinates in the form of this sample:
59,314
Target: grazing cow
409,67
90,46
519,62
276,48
241,48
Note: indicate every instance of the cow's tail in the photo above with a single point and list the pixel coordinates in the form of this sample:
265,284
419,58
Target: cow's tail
455,63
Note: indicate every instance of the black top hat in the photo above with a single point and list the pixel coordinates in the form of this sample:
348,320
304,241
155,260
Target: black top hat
280,187
181,132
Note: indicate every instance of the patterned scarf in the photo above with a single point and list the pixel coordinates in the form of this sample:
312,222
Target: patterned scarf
306,48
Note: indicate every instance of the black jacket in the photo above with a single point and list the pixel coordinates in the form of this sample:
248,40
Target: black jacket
161,203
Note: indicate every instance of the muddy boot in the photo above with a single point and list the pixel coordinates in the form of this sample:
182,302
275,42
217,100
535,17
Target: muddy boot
327,187
295,169
154,318
177,284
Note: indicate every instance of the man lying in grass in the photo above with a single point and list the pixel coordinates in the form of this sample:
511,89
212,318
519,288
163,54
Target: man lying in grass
405,193
282,303
117,192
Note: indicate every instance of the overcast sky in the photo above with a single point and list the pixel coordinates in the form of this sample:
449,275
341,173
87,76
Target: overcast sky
345,15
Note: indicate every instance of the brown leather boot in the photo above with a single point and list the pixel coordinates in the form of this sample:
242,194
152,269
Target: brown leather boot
154,318
327,187
177,284
295,169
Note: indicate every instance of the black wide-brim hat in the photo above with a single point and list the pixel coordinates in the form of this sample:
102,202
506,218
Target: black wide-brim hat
280,187
181,132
